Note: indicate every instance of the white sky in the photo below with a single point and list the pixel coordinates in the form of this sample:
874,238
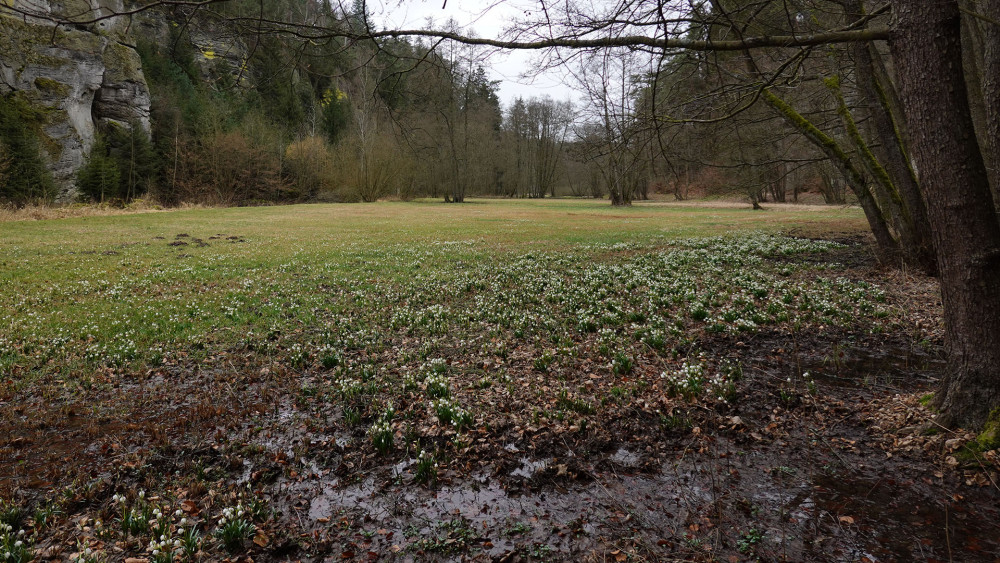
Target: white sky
486,18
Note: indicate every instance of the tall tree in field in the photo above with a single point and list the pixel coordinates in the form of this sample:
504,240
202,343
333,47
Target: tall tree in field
619,149
453,121
535,134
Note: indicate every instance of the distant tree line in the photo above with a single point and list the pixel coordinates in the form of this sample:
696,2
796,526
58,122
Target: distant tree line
284,117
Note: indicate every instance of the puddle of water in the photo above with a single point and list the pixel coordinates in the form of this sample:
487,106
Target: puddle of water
400,468
626,458
529,468
891,365
904,520
798,511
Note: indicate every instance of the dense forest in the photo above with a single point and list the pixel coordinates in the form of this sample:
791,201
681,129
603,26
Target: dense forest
282,119
240,116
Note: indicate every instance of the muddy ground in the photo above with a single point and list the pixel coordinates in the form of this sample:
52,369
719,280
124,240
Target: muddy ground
825,452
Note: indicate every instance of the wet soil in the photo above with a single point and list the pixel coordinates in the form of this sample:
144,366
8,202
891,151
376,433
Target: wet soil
806,463
805,481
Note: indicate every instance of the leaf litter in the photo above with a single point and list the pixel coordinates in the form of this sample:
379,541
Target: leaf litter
653,404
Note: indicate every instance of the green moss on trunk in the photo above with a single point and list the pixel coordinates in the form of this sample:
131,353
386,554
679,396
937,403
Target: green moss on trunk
989,438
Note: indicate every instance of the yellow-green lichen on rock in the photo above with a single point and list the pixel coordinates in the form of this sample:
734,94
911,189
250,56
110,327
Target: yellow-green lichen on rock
33,44
122,63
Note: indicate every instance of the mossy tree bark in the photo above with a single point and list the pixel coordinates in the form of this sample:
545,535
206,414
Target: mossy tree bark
887,247
877,95
883,187
991,91
926,49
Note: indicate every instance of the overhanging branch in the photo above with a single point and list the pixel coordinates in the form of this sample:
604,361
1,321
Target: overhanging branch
567,42
875,34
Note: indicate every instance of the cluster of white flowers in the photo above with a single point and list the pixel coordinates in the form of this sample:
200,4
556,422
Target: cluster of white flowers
348,386
231,513
427,467
84,555
450,412
12,546
434,318
164,546
585,322
297,355
381,431
654,338
436,385
434,365
690,376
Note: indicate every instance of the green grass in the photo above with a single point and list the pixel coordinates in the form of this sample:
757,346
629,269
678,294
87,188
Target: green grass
473,320
121,291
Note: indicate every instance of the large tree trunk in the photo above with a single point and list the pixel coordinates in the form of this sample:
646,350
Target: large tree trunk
991,91
920,251
926,49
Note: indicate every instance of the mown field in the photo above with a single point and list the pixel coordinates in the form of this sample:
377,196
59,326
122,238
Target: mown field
499,380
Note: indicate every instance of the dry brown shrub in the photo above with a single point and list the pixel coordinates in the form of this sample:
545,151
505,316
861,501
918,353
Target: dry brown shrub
309,164
229,169
44,212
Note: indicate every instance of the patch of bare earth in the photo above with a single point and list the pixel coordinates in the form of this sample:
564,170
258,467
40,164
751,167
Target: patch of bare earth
821,453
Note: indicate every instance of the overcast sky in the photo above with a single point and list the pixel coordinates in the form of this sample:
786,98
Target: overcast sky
486,18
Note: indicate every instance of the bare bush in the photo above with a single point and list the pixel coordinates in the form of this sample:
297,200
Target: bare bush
229,169
309,166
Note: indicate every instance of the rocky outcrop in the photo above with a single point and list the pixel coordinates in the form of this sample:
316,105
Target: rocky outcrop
77,77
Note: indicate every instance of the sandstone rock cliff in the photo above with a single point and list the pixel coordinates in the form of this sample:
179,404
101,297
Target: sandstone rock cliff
77,77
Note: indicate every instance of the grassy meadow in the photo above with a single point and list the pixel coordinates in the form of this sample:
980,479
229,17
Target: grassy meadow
126,291
324,381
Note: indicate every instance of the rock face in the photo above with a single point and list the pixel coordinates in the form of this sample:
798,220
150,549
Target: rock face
78,78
